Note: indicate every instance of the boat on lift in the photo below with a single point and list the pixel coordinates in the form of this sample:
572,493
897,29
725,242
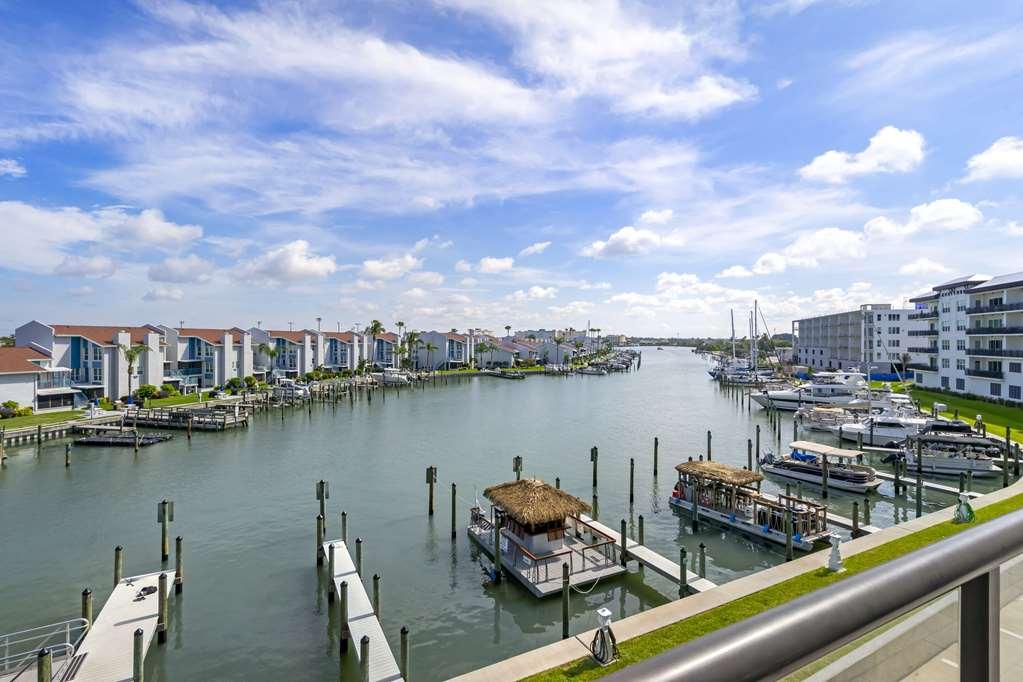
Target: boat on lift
950,448
825,388
807,462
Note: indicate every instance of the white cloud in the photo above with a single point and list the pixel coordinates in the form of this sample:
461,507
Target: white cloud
289,263
491,265
783,83
668,280
1003,159
923,266
534,293
572,309
164,294
230,246
1013,228
427,278
11,168
534,249
83,291
735,271
190,268
126,230
653,217
86,266
632,241
942,214
770,263
369,285
890,151
390,268
586,285
415,293
463,266
828,244
469,282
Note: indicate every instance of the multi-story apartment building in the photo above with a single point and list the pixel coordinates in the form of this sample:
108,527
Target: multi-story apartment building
381,351
453,350
28,378
873,338
341,350
938,350
994,332
93,353
296,352
196,358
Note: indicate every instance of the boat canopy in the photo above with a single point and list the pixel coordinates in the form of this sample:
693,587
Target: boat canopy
715,471
825,450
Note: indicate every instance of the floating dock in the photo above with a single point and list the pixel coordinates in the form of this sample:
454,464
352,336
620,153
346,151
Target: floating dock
362,620
199,420
648,557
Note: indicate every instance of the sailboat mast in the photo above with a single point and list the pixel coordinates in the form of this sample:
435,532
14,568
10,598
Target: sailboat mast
731,313
755,333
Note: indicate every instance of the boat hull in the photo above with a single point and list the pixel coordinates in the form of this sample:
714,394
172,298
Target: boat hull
742,525
833,483
953,466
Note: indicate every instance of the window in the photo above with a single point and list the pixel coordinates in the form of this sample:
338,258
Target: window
1015,367
996,389
945,309
944,382
960,384
960,364
1015,392
960,344
894,343
944,363
945,344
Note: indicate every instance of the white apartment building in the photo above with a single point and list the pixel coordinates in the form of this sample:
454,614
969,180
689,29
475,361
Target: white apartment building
197,358
342,350
452,350
28,378
94,356
297,352
994,332
874,338
939,336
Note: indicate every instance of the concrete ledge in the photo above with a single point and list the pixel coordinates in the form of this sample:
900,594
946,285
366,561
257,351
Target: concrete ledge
566,651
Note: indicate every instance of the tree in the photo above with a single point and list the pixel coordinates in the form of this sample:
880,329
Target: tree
269,351
431,347
169,391
507,329
251,382
235,384
578,345
146,392
412,344
558,340
374,330
481,348
131,356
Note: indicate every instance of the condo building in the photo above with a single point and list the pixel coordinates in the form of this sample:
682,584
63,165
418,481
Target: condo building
28,377
875,338
196,358
994,334
288,354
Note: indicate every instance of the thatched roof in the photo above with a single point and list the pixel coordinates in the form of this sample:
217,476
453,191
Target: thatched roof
716,471
531,501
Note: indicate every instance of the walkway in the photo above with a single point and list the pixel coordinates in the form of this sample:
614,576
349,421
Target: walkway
362,620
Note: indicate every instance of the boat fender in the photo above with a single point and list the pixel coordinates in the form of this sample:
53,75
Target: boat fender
765,528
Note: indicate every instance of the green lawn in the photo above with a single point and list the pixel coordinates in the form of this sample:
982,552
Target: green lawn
36,419
995,416
653,643
177,400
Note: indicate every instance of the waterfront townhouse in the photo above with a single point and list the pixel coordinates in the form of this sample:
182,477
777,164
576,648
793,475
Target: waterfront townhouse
994,332
452,350
294,352
341,350
197,358
874,338
94,355
938,337
381,351
28,377
504,353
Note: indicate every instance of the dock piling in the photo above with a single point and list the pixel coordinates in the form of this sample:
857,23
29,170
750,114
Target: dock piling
87,605
962,481
824,477
632,480
799,489
757,448
703,560
683,577
564,601
795,429
640,540
376,594
67,455
44,665
364,658
161,614
164,515
898,472
497,551
322,494
624,539
331,569
454,499
866,511
138,657
517,467
118,564
1005,456
403,665
344,526
319,540
749,454
557,482
358,556
708,445
788,534
856,520
179,566
431,478
343,615
655,455
593,458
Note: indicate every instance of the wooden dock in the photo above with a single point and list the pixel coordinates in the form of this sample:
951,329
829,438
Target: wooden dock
648,557
106,654
362,620
181,418
910,482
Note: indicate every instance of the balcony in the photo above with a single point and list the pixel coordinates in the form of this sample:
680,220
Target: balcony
995,352
985,373
924,315
933,350
997,308
994,331
923,332
919,367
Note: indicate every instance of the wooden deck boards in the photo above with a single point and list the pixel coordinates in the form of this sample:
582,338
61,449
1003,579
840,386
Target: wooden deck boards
362,621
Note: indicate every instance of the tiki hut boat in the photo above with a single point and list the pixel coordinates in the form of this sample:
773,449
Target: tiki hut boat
731,497
541,529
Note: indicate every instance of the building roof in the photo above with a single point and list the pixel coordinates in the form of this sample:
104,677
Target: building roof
389,337
923,298
962,281
18,360
1014,279
295,337
455,336
716,471
347,337
104,336
532,502
214,336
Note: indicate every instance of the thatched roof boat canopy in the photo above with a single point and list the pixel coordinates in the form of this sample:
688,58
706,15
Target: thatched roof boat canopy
532,502
716,471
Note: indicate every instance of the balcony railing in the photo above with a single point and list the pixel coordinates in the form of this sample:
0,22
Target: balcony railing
985,373
923,332
995,352
923,315
919,367
994,331
997,308
923,349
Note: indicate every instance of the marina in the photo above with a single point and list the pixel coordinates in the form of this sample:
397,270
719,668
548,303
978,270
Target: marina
245,494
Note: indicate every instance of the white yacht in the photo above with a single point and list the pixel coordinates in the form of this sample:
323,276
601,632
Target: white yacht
951,448
391,377
828,388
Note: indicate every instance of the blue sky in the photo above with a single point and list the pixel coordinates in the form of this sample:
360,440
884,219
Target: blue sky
642,166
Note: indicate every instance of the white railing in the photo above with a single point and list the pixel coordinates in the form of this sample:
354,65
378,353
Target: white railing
19,650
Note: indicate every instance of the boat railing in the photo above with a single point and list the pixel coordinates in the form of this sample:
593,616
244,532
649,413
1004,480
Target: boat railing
19,650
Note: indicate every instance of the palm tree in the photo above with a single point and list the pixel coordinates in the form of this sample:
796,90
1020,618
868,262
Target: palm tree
480,349
401,352
374,329
131,355
507,329
400,325
578,345
558,340
269,351
411,345
430,348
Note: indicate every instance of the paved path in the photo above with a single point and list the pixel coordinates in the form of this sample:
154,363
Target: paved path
362,621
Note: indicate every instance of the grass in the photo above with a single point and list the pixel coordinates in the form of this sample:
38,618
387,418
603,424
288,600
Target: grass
37,419
997,417
662,639
178,400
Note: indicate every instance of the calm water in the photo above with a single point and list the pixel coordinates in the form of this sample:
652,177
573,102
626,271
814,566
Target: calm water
255,607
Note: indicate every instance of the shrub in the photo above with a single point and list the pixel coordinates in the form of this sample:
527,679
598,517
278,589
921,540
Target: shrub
250,382
147,392
170,391
10,404
24,412
7,412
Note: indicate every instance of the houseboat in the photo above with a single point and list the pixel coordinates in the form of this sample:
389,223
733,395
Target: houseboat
731,497
808,462
951,448
540,530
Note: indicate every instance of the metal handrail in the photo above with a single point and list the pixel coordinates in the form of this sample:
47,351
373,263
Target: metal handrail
27,643
787,637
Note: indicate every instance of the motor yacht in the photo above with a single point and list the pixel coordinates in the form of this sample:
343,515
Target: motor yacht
825,388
